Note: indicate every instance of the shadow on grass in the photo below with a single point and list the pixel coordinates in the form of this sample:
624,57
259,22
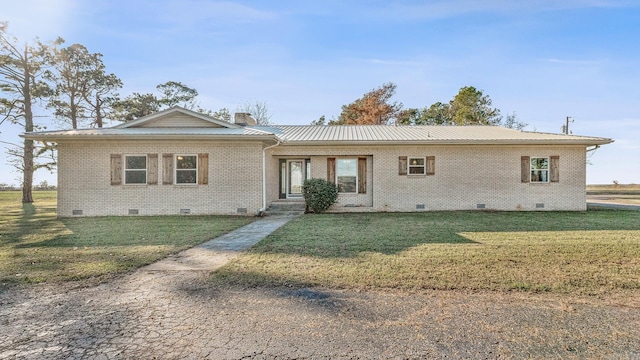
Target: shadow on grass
348,235
137,231
25,223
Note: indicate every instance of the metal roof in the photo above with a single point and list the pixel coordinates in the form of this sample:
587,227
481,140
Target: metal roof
329,135
151,133
380,134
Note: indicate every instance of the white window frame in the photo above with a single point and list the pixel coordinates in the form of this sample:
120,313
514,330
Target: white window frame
532,169
338,175
176,170
146,169
423,166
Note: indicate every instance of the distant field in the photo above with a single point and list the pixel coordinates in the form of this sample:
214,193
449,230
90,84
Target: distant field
621,189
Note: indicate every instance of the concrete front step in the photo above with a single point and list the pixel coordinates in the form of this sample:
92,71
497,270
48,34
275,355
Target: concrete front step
284,207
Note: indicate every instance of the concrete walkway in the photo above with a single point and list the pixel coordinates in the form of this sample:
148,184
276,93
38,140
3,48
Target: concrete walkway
217,252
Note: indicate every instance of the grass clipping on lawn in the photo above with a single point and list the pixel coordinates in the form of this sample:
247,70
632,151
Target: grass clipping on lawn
591,253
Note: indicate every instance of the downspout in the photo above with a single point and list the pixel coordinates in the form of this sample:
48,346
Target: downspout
264,177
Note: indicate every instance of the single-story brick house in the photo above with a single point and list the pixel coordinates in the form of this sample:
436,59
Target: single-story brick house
182,162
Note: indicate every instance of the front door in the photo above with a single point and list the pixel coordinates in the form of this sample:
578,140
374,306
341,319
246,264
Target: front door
295,177
293,173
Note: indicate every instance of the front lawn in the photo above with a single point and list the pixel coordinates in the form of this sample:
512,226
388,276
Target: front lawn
35,246
593,252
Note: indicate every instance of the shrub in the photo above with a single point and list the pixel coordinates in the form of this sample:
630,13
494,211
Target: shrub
319,194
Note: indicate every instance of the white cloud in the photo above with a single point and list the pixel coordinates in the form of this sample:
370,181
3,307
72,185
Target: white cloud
220,12
444,9
46,19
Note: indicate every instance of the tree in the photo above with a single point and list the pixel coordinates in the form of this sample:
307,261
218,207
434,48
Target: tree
21,81
471,107
512,122
139,105
437,114
321,121
135,106
373,108
258,110
81,86
221,115
68,75
408,116
176,93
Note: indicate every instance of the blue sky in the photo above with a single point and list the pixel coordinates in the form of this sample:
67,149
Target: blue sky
544,60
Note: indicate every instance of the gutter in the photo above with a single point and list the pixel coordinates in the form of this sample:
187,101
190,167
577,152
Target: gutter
264,178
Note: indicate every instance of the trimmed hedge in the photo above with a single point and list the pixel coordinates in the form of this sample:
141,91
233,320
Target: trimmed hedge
319,194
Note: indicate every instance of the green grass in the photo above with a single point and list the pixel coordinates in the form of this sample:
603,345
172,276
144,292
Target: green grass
594,252
35,246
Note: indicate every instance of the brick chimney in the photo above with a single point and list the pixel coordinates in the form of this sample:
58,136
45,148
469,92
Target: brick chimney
244,119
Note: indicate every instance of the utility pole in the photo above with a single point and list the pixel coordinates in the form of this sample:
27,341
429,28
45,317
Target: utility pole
565,128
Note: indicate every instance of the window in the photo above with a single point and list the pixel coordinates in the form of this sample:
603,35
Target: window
347,175
539,169
186,169
417,166
135,169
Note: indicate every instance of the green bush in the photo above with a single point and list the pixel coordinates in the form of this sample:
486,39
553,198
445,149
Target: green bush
319,194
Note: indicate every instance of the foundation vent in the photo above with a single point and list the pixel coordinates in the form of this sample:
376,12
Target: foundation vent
76,212
133,211
481,206
419,206
539,206
241,210
185,211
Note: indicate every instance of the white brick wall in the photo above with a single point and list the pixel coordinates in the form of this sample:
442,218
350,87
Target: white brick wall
465,176
235,180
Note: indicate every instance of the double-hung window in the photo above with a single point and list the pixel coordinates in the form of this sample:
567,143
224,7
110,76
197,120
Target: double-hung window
417,166
186,169
347,175
135,169
540,169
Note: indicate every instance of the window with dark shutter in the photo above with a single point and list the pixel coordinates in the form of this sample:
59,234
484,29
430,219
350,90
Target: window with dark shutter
167,169
203,169
431,165
152,169
525,168
362,175
554,165
116,169
402,165
331,170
